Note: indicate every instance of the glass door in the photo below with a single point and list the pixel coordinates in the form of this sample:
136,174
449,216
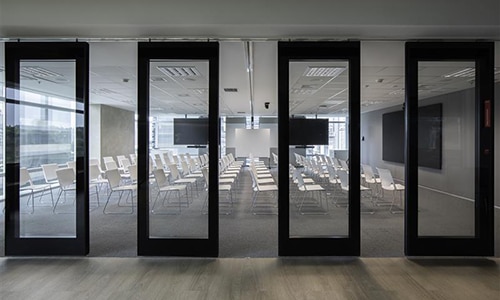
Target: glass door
178,149
449,149
318,89
47,210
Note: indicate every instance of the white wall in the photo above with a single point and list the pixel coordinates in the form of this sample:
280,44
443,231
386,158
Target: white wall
95,131
258,18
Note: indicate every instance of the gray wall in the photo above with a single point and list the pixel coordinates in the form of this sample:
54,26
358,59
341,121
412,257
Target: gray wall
458,146
117,131
377,19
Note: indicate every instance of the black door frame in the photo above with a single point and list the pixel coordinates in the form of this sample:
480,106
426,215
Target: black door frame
14,244
181,246
482,244
314,246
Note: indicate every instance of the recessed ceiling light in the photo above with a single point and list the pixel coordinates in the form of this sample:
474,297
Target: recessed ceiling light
380,80
183,95
230,90
323,71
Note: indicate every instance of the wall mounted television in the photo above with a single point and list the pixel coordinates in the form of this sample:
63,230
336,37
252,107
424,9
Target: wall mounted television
191,131
303,132
429,136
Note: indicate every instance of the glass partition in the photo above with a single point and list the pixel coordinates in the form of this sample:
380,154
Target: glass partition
47,145
178,154
318,148
446,148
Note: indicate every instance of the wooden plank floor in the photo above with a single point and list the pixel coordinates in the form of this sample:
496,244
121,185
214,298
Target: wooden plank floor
248,278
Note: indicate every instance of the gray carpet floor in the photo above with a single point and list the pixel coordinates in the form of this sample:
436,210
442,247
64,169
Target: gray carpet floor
241,233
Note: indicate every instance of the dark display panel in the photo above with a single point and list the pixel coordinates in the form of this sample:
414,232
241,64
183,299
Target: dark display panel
308,132
191,131
429,136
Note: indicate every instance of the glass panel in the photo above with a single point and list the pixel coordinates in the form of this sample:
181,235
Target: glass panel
178,149
2,169
48,120
446,148
318,151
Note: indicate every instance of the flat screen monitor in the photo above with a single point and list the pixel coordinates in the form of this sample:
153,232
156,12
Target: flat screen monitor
305,132
191,131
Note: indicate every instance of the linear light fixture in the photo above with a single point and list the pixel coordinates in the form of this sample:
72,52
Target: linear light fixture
179,71
467,72
36,71
336,94
323,71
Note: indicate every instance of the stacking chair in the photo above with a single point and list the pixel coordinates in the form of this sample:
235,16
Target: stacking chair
257,189
114,180
27,187
95,178
133,159
119,159
387,183
374,182
66,178
49,173
344,184
176,178
164,187
224,188
305,188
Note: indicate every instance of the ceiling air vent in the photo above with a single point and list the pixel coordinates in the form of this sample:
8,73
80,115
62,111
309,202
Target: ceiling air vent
323,71
36,71
179,71
230,90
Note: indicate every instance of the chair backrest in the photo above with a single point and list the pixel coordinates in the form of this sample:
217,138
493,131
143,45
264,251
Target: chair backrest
174,172
160,178
125,163
368,171
66,177
343,164
133,159
72,165
386,179
24,177
119,159
185,168
158,163
299,179
166,158
204,171
107,159
344,179
111,165
332,174
49,172
94,172
132,170
114,178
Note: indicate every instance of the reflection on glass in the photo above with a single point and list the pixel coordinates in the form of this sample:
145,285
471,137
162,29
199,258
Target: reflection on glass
446,143
48,123
318,152
178,155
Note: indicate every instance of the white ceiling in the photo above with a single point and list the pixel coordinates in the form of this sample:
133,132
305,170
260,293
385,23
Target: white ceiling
113,81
